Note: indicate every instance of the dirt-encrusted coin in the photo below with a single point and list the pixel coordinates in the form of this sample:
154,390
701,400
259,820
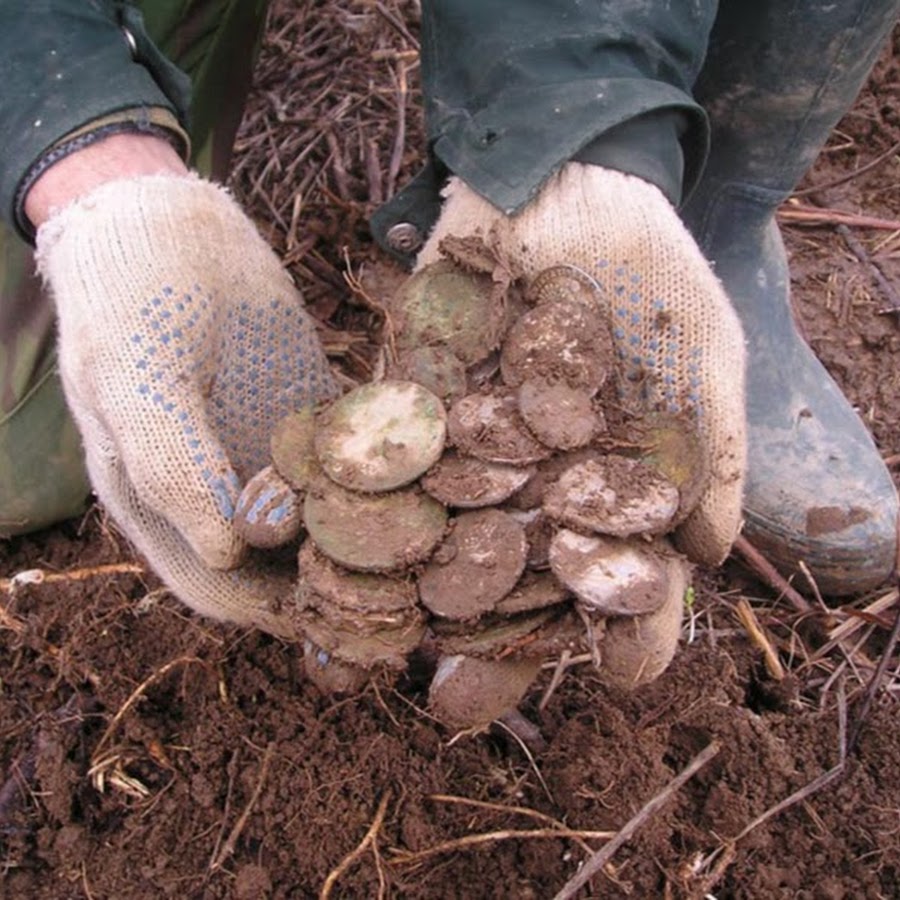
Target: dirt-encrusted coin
490,427
443,304
557,414
466,482
564,341
468,692
613,495
534,590
493,636
672,445
381,436
365,593
293,449
610,576
373,532
368,648
637,649
478,564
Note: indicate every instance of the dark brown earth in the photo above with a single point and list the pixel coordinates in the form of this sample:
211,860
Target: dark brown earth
147,753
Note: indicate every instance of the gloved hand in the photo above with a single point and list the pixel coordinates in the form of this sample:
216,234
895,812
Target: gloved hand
674,328
181,342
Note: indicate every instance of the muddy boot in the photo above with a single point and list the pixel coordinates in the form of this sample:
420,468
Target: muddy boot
776,81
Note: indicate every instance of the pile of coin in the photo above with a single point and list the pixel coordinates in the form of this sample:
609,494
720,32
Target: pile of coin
491,500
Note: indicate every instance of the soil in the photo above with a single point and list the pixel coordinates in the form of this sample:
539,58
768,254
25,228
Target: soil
149,753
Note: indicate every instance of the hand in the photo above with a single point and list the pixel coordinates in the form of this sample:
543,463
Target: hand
181,342
676,334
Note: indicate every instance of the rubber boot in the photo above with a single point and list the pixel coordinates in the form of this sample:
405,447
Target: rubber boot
777,79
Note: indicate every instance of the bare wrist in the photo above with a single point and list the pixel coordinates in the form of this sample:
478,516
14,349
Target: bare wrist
117,156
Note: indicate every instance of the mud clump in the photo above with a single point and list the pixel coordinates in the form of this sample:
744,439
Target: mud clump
478,503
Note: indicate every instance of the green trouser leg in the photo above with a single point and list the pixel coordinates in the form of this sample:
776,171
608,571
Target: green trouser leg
42,476
513,91
777,79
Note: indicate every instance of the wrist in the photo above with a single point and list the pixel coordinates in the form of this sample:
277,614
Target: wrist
112,158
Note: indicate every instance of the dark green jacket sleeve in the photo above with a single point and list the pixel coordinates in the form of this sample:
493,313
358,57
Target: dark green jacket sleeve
66,63
513,90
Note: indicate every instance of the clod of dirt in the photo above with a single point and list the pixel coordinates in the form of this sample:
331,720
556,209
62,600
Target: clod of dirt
489,427
613,495
638,649
381,436
566,341
558,415
268,512
293,450
437,368
443,304
357,593
610,576
467,693
373,532
467,482
477,565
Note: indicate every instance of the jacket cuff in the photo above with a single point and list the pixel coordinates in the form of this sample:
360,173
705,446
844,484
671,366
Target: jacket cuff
507,150
67,65
156,122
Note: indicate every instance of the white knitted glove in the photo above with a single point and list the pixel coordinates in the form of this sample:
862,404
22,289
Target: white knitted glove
181,342
676,333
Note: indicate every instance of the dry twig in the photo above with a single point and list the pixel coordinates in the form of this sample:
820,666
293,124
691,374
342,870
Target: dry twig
42,576
512,810
369,838
136,694
235,833
875,682
527,736
795,214
409,858
647,811
769,574
760,638
860,252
